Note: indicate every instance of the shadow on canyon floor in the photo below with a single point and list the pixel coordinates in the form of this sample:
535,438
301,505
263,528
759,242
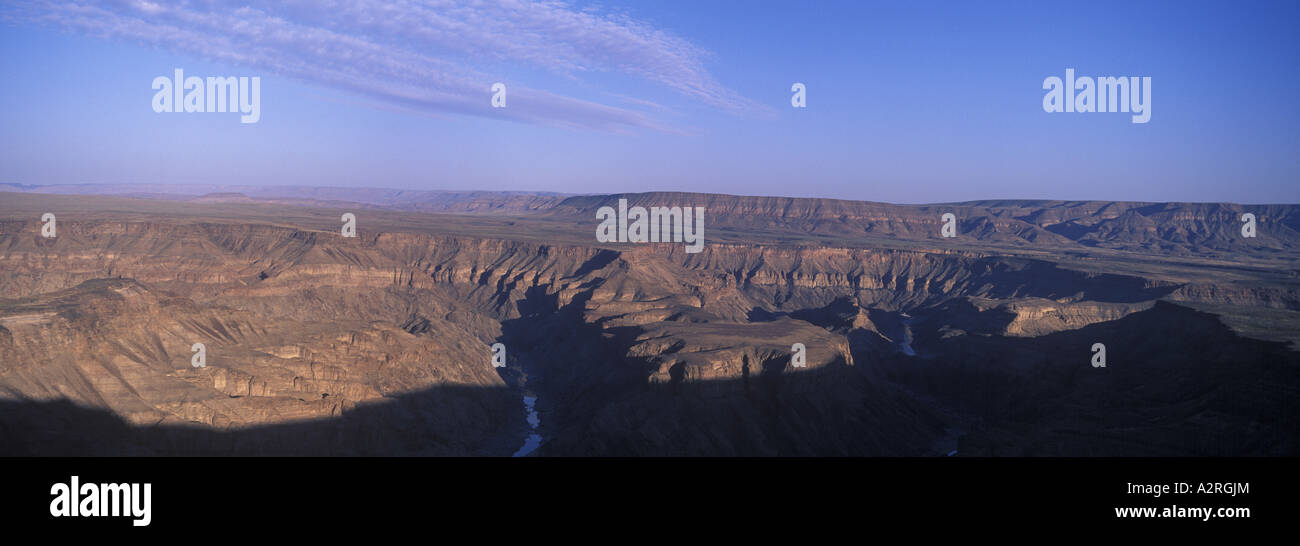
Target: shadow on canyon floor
1177,382
449,420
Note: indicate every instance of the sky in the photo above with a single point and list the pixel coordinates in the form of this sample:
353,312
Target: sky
906,102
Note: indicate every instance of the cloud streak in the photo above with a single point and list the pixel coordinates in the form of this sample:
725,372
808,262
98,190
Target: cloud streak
439,56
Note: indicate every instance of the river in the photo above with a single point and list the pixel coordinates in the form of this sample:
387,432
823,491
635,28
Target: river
534,439
906,345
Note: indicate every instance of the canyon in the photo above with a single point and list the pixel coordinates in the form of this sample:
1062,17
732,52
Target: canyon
379,344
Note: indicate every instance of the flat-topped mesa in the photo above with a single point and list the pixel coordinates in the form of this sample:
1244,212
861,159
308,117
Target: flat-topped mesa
719,351
1173,228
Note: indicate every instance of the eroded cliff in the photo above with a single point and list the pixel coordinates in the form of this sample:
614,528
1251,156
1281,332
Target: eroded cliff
380,344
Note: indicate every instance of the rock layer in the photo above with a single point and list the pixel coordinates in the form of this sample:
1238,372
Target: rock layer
379,344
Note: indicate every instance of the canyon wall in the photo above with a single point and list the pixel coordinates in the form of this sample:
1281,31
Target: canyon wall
380,344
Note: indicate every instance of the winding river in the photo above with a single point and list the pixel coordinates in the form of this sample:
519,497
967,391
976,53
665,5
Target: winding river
534,439
906,344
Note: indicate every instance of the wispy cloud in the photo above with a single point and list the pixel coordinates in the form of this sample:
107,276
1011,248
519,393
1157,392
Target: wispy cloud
440,56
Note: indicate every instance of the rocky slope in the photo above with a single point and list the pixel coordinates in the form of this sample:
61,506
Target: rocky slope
1205,229
380,344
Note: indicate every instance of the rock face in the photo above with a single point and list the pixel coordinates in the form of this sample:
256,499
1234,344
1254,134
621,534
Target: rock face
117,345
380,344
1204,229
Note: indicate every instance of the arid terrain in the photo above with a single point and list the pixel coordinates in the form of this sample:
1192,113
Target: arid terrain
917,345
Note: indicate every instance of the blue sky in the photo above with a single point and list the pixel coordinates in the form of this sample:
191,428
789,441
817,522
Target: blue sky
908,102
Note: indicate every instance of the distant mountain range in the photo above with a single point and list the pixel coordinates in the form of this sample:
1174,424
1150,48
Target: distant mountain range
1166,228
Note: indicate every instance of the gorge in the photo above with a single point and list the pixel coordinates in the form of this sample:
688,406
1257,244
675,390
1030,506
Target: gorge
319,344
